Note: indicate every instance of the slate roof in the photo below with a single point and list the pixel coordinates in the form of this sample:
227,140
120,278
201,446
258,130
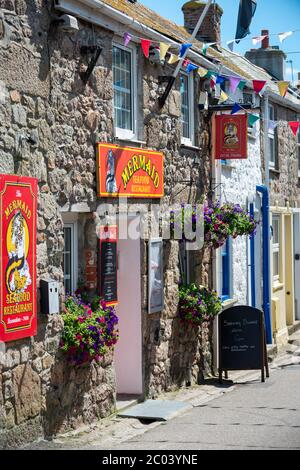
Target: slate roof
231,60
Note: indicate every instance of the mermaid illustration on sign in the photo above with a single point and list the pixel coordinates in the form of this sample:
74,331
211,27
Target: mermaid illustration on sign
18,277
111,184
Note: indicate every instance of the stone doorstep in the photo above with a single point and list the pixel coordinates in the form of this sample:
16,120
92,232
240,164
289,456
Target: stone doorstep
294,328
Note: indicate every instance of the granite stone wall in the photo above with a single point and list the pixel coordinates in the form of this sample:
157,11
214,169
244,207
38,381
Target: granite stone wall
284,181
50,123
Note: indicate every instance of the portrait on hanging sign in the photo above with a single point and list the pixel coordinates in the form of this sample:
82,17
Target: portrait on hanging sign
231,135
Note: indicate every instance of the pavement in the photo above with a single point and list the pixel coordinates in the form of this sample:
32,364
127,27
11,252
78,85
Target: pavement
242,413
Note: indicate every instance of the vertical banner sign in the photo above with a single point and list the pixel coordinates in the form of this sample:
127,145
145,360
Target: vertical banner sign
18,209
129,172
108,264
231,137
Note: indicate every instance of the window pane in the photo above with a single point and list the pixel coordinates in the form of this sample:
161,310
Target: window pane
122,76
272,150
67,259
275,224
185,108
271,113
276,263
226,270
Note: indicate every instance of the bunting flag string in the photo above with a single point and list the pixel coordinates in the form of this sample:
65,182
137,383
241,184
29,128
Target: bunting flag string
255,39
253,118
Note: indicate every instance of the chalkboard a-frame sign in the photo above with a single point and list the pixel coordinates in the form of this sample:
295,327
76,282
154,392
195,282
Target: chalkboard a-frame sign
242,340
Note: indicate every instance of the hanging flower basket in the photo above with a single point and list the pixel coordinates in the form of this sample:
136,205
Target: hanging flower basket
220,222
90,330
198,304
228,220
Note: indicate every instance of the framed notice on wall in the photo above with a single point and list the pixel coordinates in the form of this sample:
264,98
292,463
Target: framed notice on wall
156,280
108,265
231,137
18,209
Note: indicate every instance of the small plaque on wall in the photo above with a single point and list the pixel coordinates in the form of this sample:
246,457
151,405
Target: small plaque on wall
156,280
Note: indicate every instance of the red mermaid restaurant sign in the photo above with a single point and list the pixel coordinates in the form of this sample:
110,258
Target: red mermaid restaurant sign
129,172
18,209
231,137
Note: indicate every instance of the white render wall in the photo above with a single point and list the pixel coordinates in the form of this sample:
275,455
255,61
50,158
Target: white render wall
239,179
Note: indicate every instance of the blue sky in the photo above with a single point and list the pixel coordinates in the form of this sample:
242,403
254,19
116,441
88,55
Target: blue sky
275,15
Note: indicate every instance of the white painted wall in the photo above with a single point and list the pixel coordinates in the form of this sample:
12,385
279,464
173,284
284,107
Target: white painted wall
239,180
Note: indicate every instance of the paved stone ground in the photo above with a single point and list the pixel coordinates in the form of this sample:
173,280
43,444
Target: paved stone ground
242,413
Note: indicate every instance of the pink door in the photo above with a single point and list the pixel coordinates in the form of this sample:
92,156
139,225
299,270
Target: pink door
128,351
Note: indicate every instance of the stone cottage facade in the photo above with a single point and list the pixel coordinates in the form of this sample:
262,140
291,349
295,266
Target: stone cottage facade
50,124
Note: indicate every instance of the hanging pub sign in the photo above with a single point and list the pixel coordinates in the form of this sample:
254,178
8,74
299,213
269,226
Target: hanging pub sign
129,172
108,264
231,137
18,209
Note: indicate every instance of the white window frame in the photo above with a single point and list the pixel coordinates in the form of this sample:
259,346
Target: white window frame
271,138
276,247
73,226
189,141
126,134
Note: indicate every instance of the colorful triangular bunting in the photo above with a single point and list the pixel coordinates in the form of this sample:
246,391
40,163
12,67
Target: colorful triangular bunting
258,85
294,125
242,84
145,43
233,83
163,49
202,72
127,39
236,108
283,88
223,97
173,59
190,67
184,48
258,39
283,36
252,118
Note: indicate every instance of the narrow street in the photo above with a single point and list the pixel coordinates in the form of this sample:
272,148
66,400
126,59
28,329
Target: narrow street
241,414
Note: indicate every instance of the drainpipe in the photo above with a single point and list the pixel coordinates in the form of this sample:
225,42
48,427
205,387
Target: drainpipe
252,262
266,260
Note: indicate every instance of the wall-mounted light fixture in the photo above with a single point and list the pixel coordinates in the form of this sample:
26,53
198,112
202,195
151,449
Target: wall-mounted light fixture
66,23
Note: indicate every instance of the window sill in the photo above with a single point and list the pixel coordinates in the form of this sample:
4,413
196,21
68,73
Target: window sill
190,146
277,286
131,140
275,170
228,303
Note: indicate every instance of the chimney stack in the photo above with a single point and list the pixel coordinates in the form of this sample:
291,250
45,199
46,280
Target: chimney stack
266,42
210,30
270,58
